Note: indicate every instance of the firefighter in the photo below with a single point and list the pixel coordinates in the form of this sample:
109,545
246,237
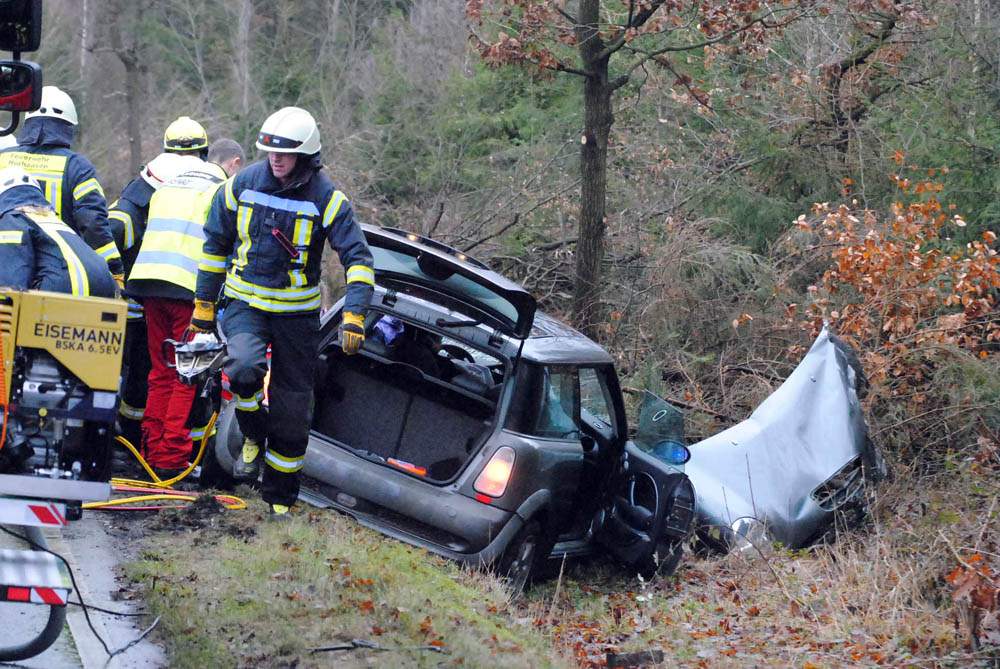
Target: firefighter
264,244
163,279
127,217
40,252
68,180
186,136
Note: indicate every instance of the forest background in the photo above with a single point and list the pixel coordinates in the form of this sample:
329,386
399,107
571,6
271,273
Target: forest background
769,166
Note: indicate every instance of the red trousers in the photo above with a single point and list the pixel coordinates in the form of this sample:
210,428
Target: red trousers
168,402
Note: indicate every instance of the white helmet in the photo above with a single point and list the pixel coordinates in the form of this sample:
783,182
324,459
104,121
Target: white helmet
166,166
14,176
7,141
289,130
55,104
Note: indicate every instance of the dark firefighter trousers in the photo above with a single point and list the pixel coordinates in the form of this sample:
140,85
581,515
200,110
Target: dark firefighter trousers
283,426
135,375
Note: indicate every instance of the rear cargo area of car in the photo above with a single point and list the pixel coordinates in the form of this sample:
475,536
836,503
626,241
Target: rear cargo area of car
427,425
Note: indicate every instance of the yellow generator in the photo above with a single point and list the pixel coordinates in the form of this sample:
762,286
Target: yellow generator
60,366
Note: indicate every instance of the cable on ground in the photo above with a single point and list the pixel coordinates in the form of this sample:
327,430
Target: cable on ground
158,489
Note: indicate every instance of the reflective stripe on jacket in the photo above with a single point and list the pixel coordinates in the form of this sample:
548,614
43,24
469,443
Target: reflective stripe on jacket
68,180
39,251
265,243
127,218
174,236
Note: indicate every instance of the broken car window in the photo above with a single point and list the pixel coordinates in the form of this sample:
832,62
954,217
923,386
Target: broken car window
549,402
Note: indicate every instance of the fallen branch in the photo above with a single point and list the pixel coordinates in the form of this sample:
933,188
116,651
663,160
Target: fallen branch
363,644
751,371
684,405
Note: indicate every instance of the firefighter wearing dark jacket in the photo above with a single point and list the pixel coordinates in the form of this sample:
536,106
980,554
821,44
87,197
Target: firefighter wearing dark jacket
127,218
163,278
68,180
40,252
263,247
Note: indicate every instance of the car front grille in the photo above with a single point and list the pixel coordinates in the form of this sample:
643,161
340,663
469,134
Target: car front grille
843,487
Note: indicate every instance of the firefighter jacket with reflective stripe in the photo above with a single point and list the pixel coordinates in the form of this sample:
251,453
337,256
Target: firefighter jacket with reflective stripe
167,264
38,251
68,180
127,218
266,242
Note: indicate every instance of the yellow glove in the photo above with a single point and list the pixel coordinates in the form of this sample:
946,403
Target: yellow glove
203,316
352,333
120,280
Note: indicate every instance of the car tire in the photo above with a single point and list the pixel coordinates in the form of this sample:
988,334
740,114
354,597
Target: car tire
225,447
212,473
520,559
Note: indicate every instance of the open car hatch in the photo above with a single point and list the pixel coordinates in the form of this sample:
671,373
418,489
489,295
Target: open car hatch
405,261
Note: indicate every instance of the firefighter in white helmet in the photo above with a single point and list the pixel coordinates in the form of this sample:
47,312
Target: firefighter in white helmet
163,278
40,252
263,248
67,179
127,216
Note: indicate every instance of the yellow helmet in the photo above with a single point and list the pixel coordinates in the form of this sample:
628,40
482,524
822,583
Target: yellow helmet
185,134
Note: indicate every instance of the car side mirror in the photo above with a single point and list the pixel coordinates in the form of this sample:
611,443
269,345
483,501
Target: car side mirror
20,85
588,443
21,26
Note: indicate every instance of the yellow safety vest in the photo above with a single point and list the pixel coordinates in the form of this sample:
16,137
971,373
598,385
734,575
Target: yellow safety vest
171,246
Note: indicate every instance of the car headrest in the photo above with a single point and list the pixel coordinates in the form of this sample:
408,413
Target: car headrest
472,377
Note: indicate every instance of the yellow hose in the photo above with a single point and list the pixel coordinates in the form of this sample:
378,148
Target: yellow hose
227,501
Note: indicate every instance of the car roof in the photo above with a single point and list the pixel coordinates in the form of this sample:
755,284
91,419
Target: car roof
552,341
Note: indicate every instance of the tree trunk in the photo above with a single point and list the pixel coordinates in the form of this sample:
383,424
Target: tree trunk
241,51
598,118
133,100
128,54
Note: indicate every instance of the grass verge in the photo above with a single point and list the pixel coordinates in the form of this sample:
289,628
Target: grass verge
234,589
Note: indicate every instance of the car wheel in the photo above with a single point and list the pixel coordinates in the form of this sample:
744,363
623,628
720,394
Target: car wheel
521,557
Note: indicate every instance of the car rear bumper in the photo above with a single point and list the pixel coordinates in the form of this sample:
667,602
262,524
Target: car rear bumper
439,519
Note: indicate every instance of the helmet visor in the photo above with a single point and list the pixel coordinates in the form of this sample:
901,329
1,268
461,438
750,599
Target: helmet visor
269,142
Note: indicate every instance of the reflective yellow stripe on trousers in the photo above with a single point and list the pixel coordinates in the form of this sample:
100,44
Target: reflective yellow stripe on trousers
282,463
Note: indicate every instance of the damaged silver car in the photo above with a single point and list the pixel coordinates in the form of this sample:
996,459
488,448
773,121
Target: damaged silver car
488,432
801,460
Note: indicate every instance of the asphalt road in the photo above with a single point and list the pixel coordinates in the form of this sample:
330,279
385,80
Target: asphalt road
95,551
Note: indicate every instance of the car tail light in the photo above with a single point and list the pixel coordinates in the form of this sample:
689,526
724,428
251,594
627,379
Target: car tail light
493,479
